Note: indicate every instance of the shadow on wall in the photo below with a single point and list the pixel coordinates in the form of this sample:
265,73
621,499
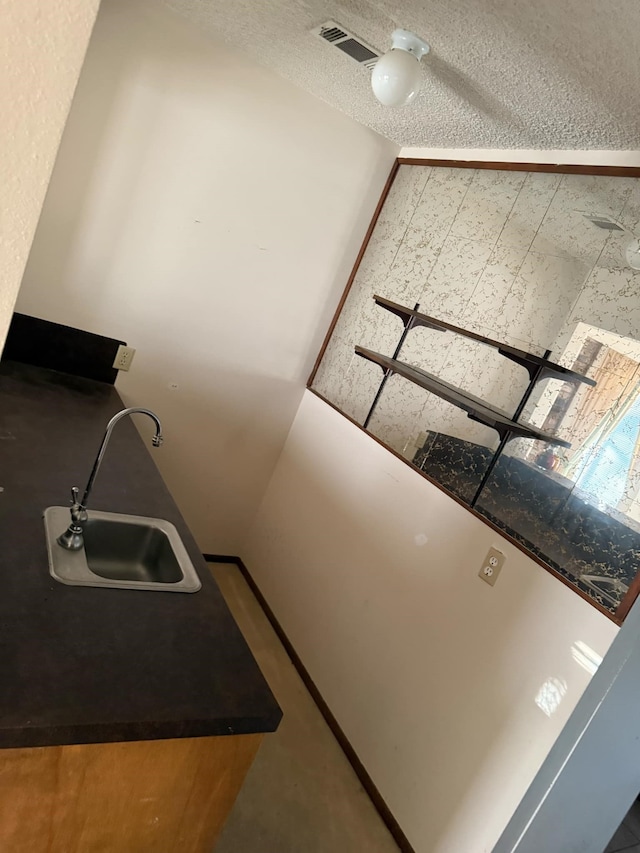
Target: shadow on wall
207,430
149,55
186,217
142,55
207,418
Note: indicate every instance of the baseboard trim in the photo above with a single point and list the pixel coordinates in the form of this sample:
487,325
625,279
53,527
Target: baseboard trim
365,780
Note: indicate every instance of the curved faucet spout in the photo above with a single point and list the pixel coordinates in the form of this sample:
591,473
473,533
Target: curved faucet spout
156,441
72,538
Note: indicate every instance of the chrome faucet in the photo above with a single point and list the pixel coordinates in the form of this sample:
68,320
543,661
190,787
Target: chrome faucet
72,539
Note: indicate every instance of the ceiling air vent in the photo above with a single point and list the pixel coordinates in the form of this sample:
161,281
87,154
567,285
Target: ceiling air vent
352,45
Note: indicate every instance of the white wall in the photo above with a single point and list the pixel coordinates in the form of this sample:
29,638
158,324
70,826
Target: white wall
208,213
42,45
591,776
432,674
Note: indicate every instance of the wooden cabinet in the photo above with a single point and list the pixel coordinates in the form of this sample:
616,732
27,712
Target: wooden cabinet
158,796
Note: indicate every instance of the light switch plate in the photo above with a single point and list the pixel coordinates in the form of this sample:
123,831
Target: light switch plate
491,566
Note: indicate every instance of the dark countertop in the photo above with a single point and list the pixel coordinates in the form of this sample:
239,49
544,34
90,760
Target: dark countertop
86,665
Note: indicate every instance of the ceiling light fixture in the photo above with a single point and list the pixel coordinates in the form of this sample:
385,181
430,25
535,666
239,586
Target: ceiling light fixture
396,76
632,247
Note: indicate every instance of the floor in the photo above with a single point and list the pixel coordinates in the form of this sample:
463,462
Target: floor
301,794
627,837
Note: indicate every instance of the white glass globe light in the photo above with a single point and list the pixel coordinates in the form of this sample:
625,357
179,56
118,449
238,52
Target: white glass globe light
632,254
396,77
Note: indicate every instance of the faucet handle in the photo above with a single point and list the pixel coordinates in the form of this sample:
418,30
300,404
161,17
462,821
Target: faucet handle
72,539
78,512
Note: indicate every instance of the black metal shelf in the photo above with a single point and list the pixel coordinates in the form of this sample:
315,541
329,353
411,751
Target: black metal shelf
537,366
475,408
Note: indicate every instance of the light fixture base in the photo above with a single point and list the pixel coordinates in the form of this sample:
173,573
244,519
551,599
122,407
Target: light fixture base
632,254
404,40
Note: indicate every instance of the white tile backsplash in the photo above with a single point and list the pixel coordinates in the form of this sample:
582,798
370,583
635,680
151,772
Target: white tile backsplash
542,295
486,306
529,209
564,231
610,300
487,204
454,277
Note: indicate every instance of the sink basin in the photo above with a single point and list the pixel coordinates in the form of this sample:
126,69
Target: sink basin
122,551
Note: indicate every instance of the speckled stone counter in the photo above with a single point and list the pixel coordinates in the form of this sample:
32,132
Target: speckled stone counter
543,511
85,665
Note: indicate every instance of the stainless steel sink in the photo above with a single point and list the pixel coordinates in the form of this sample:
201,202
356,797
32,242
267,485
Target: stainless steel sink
123,551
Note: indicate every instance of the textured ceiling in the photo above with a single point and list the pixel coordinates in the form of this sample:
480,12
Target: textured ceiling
501,73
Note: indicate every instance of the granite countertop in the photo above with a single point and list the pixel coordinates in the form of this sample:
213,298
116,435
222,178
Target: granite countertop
86,665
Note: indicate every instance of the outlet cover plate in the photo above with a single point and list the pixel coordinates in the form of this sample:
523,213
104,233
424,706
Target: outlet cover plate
491,566
124,357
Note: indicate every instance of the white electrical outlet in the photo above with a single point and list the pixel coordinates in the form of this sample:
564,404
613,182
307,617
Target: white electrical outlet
491,566
124,357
